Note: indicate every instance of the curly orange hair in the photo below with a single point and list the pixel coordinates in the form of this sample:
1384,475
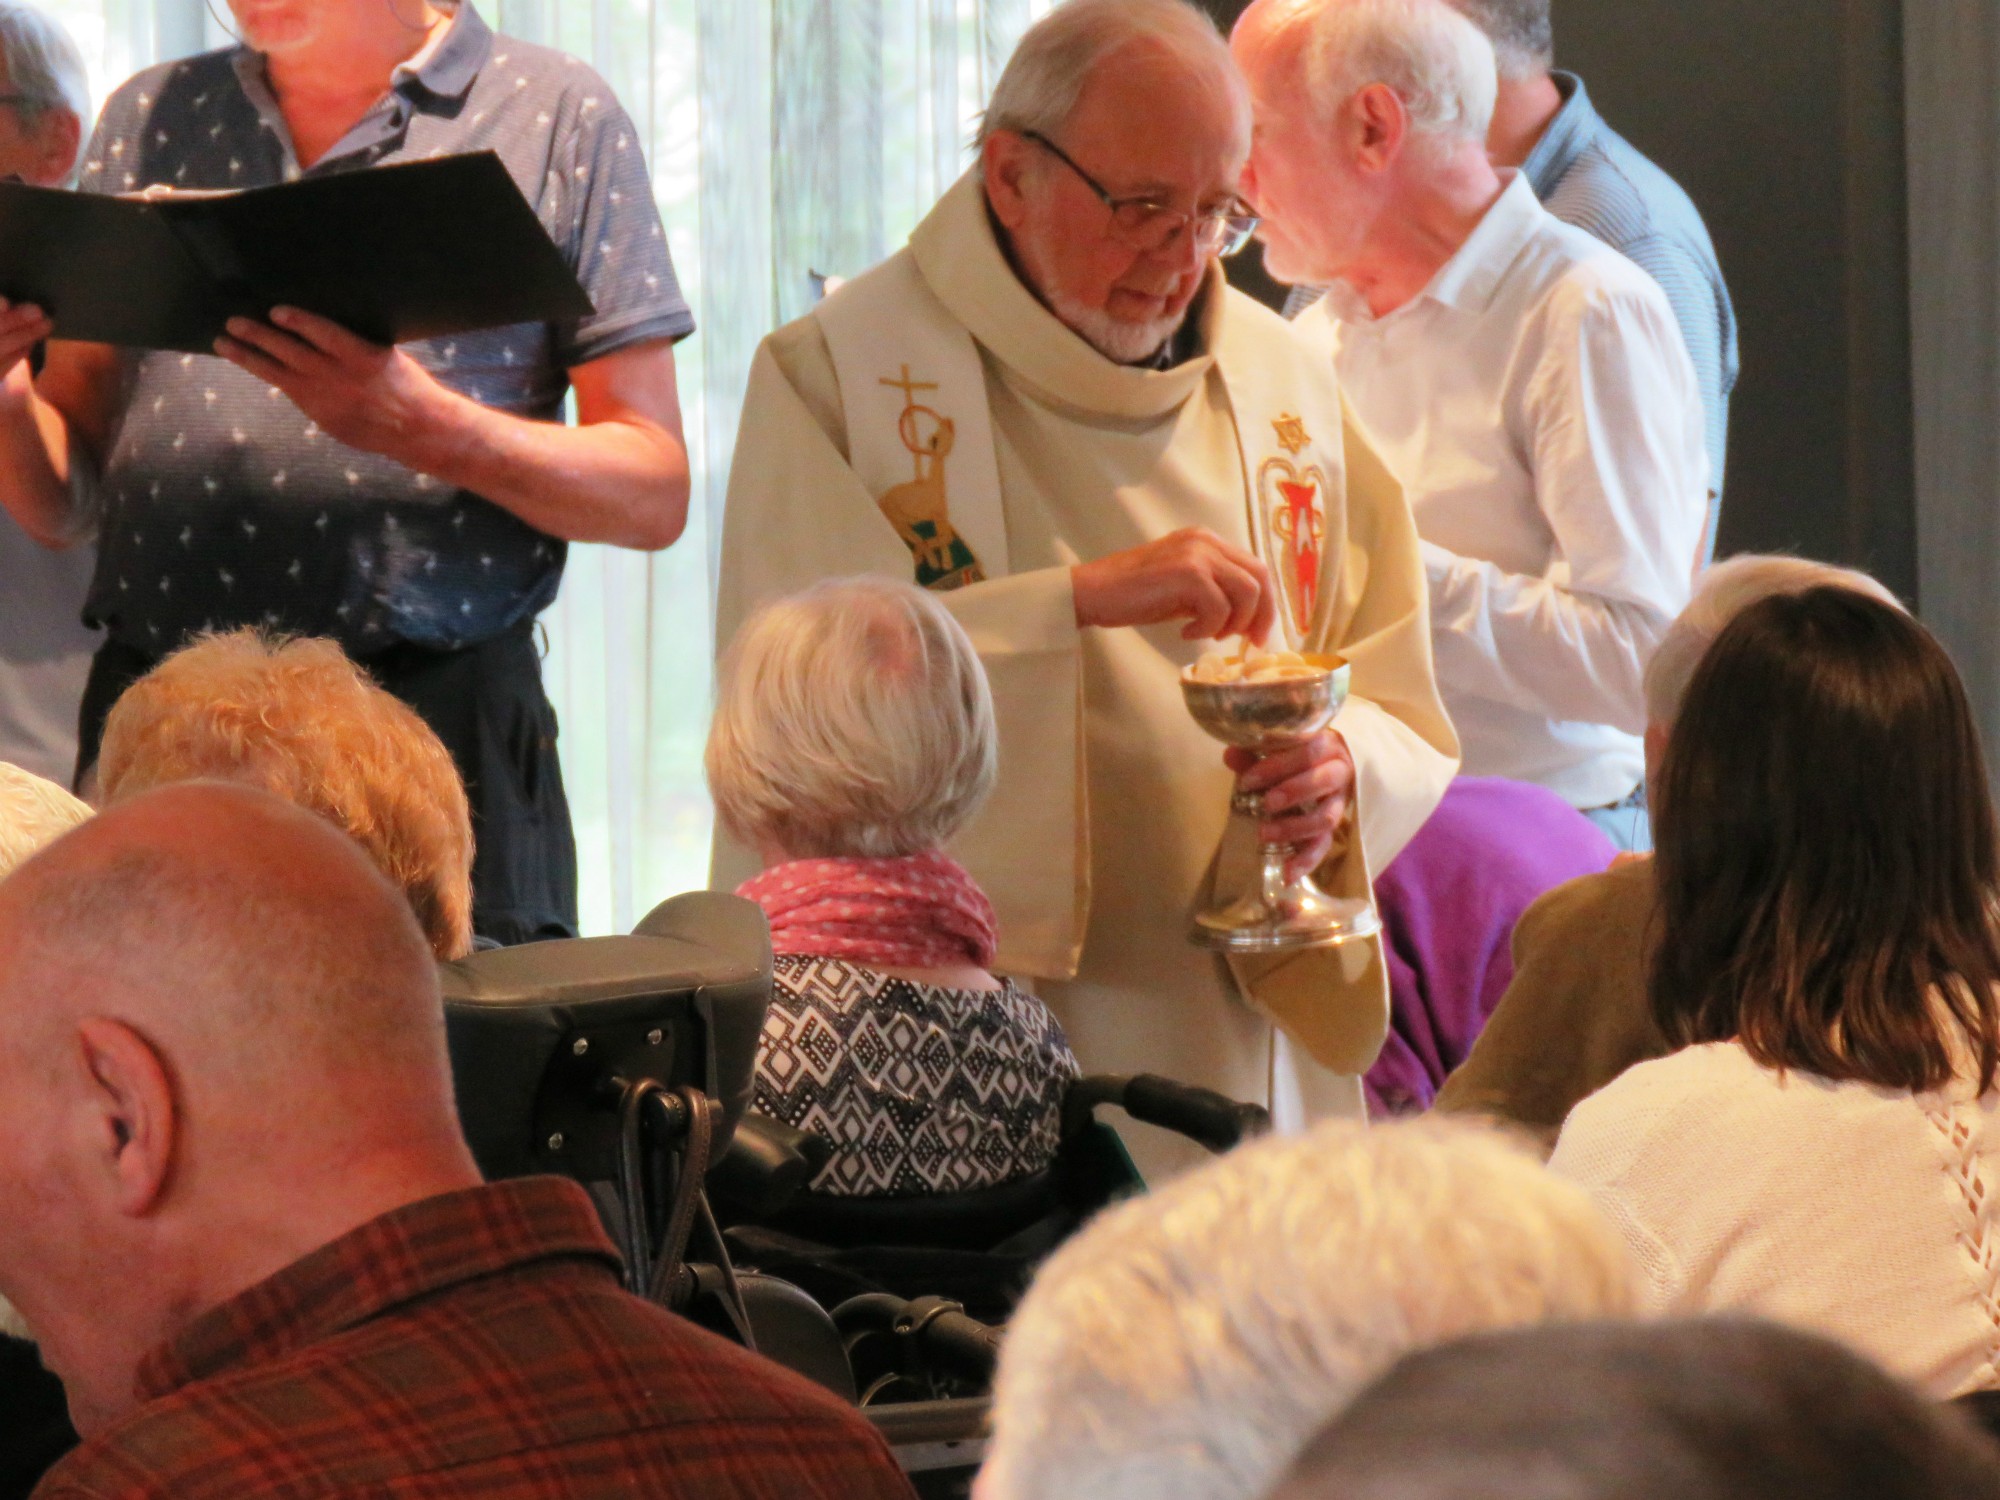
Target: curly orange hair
299,719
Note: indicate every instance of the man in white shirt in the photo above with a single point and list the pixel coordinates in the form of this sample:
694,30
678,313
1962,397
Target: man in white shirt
1526,383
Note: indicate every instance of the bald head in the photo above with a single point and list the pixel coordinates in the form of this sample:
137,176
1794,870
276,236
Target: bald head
229,923
221,1047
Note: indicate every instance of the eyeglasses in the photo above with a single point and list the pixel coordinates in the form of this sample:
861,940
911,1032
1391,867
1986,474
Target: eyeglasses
1149,224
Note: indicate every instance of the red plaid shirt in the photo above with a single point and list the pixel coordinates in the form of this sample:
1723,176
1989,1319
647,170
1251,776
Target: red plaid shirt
477,1343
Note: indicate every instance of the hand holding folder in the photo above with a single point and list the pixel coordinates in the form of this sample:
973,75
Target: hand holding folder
411,251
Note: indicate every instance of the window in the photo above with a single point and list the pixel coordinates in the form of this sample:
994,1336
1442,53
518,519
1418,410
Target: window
785,137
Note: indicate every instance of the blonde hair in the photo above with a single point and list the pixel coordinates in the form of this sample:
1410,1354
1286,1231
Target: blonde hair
852,719
1722,593
1186,1345
33,813
300,720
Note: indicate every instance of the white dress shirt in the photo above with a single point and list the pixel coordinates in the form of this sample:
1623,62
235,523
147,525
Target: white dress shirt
1538,403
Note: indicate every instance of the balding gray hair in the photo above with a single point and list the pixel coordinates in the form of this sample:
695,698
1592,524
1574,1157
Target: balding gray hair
1432,58
1045,77
1187,1344
44,68
1519,30
1721,594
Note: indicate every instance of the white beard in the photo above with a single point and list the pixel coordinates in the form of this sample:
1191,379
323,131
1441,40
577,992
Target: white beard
1118,341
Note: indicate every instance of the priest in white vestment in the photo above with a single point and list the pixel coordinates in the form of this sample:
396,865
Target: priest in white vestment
1051,408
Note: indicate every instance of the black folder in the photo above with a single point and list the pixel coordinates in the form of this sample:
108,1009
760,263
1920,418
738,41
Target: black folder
410,251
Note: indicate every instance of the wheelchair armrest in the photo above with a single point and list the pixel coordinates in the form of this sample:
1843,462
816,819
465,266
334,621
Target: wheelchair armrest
1202,1115
766,1165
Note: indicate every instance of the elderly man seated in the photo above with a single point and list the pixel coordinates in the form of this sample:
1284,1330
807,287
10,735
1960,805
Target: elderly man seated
224,1075
853,738
1186,1345
1721,1409
299,719
1575,1015
1526,383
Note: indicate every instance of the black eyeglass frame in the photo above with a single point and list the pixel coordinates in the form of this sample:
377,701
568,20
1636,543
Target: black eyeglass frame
1231,233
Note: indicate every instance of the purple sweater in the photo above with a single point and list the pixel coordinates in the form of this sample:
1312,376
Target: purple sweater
1449,903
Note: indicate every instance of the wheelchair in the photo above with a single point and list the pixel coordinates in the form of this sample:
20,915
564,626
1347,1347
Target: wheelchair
628,1064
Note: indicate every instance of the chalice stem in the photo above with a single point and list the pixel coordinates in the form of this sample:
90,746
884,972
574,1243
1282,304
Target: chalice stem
1272,878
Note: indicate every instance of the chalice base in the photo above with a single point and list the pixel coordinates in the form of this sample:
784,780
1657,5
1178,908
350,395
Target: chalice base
1297,914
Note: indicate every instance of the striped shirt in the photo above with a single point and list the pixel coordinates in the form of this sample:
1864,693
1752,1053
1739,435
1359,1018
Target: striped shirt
1588,175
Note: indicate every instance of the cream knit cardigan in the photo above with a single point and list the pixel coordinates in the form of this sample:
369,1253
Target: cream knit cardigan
1865,1213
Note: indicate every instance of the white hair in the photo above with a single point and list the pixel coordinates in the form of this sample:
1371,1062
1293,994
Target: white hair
44,66
852,719
1044,79
33,813
1435,60
1186,1345
1720,595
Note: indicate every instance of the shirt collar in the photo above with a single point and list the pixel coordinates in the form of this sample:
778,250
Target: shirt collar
1565,138
414,1251
439,74
1470,278
960,258
450,62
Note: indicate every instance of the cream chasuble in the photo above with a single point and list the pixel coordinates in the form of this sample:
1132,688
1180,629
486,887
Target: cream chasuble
993,450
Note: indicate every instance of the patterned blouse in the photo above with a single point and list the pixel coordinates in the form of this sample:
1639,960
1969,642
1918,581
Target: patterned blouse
919,1089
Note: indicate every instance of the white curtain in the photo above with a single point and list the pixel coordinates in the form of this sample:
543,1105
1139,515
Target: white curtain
786,138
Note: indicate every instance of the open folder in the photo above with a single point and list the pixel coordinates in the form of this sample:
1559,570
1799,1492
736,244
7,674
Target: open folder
410,251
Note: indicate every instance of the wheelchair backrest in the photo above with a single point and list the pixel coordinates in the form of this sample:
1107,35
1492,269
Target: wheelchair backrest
538,1033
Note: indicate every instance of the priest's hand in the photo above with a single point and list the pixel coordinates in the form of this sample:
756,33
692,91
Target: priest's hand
367,396
1306,791
1191,575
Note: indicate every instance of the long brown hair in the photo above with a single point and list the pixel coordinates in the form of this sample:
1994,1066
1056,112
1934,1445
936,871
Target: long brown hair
1826,850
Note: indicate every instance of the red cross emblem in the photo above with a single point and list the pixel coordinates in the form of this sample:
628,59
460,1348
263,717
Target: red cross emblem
1295,512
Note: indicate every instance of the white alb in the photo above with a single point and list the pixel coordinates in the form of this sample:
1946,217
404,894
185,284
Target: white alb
1864,1213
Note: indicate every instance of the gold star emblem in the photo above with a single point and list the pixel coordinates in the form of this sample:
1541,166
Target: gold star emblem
1291,430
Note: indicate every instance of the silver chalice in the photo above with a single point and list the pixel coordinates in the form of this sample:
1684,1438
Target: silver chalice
1276,913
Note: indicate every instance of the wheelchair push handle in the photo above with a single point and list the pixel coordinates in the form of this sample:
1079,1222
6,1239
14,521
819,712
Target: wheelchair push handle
1202,1115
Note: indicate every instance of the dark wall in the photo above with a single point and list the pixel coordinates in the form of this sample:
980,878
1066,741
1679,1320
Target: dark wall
1784,121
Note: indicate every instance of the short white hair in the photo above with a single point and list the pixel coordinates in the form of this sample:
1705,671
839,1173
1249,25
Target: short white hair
44,67
1043,80
1186,1345
1722,593
33,813
852,719
1435,60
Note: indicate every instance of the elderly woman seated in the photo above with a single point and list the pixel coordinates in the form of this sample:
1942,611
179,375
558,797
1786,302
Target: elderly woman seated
1824,1148
853,737
300,720
1187,1345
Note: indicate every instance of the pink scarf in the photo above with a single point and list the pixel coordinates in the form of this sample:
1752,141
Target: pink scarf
919,911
